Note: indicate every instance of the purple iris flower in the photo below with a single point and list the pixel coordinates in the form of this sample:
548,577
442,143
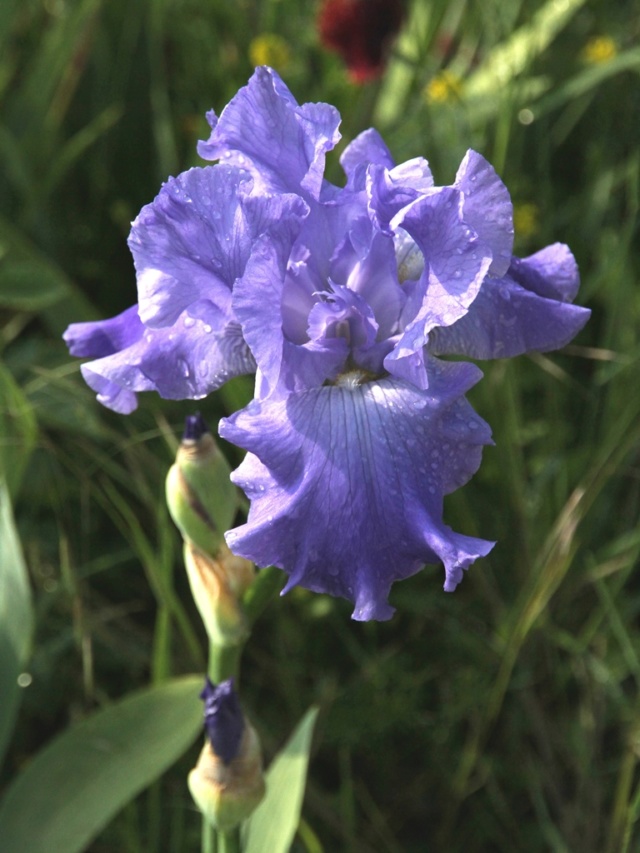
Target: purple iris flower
341,299
223,719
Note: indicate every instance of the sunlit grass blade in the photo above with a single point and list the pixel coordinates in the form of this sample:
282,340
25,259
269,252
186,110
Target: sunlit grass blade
510,58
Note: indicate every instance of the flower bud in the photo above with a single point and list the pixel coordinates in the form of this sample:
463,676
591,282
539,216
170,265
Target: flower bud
227,782
201,498
217,585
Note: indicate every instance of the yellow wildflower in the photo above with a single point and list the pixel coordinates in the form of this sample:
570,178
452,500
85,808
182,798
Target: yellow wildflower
270,49
525,219
444,87
599,49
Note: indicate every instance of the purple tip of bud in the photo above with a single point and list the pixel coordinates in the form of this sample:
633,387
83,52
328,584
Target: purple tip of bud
194,427
223,719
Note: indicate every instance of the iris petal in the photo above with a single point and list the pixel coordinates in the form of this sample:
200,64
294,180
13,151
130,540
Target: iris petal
264,129
487,208
552,272
195,238
347,483
456,264
184,361
506,320
104,337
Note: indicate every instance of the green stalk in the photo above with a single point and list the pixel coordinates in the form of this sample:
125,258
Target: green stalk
209,837
224,662
229,842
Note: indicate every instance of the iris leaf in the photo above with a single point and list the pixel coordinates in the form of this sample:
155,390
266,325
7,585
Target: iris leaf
274,823
16,618
75,785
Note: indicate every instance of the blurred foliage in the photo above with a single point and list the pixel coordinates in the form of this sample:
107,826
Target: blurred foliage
504,717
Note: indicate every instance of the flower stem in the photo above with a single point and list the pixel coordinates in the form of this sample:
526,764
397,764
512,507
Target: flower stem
209,837
229,842
224,662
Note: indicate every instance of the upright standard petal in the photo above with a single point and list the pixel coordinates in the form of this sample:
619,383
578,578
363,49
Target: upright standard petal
346,483
368,147
487,208
193,241
265,130
258,304
456,263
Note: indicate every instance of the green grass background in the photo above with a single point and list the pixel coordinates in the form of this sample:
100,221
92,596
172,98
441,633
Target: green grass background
505,717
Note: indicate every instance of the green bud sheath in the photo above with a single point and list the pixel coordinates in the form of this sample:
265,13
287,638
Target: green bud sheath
227,794
201,498
217,585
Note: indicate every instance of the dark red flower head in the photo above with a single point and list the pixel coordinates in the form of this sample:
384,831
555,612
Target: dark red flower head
361,31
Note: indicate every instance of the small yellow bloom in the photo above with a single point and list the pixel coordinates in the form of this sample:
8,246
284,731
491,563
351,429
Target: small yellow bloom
525,219
444,87
599,49
270,49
